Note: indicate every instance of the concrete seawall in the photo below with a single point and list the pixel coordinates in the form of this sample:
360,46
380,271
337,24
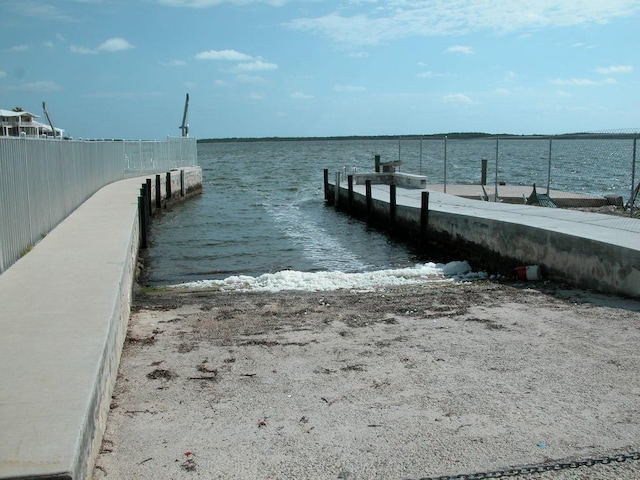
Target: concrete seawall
65,308
588,250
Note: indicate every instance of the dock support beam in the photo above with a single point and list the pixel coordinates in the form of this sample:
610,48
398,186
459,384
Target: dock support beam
336,196
326,184
424,215
158,193
392,203
143,216
483,176
367,186
182,185
350,197
168,195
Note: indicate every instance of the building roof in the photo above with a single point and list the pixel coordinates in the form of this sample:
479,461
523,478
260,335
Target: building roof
11,113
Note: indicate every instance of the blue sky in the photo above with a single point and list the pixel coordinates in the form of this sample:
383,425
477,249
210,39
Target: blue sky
121,68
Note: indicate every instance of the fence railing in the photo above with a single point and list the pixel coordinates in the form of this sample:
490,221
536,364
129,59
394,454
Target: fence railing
602,164
43,180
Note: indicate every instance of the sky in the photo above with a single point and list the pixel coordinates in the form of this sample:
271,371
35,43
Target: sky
314,68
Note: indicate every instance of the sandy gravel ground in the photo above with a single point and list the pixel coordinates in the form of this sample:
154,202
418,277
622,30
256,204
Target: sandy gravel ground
402,383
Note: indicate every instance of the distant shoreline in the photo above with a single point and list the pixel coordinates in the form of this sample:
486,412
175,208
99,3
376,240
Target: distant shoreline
454,135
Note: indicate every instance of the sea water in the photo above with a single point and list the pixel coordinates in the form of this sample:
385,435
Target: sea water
261,222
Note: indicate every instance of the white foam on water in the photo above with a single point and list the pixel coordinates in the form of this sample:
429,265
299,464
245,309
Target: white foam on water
335,280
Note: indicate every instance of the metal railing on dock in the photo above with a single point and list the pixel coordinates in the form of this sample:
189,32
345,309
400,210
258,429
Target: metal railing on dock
602,164
43,180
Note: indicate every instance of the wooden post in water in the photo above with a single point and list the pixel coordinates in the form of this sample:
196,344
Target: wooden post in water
145,210
367,186
158,193
424,215
326,184
148,187
141,221
483,176
377,163
392,203
183,191
336,193
350,197
168,185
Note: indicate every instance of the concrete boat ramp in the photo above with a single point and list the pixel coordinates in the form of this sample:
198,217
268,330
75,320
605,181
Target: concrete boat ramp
65,305
589,250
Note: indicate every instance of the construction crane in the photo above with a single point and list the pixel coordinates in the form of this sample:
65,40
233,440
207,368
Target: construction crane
185,126
53,129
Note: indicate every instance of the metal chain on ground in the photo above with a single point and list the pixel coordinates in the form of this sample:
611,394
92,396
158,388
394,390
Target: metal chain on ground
540,467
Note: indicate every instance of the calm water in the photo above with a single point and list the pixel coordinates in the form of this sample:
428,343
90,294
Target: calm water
262,208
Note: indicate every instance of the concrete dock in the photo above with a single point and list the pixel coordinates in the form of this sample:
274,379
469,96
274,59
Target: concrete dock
64,314
589,250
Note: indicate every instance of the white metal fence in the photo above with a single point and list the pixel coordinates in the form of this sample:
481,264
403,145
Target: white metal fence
600,164
43,180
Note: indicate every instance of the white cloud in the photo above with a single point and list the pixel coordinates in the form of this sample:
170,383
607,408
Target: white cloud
231,55
429,74
38,9
582,82
456,98
460,49
116,44
348,88
359,55
213,3
19,48
612,70
375,23
301,96
174,63
2,74
47,44
256,66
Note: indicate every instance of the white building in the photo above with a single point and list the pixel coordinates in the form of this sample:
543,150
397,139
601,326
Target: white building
17,124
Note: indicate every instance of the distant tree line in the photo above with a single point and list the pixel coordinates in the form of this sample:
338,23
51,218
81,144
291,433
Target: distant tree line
451,135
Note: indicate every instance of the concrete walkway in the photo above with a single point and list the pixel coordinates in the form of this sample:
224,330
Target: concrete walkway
587,249
63,318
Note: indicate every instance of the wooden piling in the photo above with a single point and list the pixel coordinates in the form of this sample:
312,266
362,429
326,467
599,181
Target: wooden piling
424,215
350,197
142,222
392,203
158,193
377,163
367,186
168,194
336,196
326,184
483,175
147,185
182,185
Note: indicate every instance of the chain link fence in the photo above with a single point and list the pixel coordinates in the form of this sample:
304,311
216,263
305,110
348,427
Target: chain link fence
43,180
596,171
